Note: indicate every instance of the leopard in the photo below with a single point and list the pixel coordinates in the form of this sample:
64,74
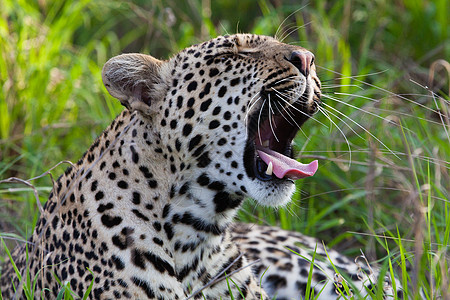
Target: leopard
148,211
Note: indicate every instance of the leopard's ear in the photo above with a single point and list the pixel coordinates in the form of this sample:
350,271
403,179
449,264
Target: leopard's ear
137,80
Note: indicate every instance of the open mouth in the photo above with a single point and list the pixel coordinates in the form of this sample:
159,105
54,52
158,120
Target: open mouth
268,153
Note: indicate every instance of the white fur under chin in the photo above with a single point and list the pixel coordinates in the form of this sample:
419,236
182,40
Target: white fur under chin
261,192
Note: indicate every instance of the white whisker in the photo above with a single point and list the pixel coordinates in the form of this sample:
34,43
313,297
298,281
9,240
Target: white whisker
343,134
285,19
352,76
363,128
362,110
288,32
259,121
251,107
283,95
270,121
340,119
437,107
385,91
334,86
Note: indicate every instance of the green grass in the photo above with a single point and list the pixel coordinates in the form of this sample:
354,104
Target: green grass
383,180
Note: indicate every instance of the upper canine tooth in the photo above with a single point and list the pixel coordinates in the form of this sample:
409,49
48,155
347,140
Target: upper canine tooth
265,144
269,169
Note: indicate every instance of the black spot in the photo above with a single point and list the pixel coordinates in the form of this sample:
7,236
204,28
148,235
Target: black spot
157,226
152,183
134,155
216,185
144,286
187,269
189,114
227,115
121,243
178,145
179,101
158,241
200,224
103,207
203,160
136,198
66,236
224,201
145,171
213,72
216,111
301,286
222,91
203,179
173,124
94,185
117,262
112,175
190,102
138,214
168,230
214,124
222,142
166,210
192,86
110,221
235,81
199,150
187,129
276,281
137,258
319,277
55,222
159,264
205,105
99,195
194,142
122,184
184,188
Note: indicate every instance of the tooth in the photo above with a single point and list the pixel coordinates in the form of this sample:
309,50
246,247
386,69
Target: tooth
269,169
265,144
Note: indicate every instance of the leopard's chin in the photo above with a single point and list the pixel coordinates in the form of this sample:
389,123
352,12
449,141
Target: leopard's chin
271,193
268,155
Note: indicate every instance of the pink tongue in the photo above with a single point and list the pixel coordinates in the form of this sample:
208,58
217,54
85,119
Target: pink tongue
284,166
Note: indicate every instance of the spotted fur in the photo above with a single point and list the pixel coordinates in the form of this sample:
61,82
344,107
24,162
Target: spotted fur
146,212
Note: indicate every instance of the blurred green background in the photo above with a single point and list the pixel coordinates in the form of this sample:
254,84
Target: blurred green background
383,151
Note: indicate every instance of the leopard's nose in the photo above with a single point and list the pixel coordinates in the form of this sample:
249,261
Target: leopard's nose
302,60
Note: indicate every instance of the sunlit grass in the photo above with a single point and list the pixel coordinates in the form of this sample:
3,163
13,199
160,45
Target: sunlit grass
383,180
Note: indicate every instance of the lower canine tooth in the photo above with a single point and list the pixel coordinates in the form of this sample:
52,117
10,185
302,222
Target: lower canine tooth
265,144
269,169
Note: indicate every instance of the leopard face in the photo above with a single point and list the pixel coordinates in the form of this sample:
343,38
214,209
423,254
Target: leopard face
148,206
226,109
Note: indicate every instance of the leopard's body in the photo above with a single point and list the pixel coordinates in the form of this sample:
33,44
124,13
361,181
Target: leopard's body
146,212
